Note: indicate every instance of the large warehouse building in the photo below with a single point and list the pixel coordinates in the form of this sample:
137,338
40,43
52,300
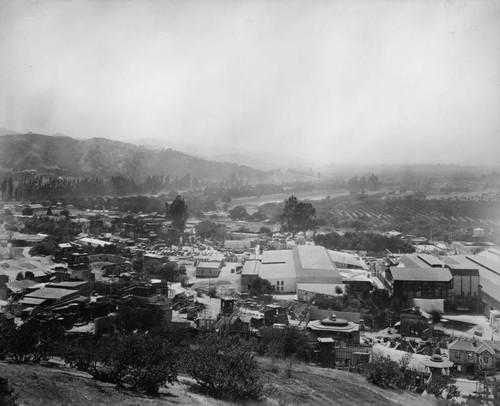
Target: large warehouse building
305,270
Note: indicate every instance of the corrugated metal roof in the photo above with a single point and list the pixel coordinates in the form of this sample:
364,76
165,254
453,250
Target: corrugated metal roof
412,261
277,257
430,260
421,274
52,293
251,268
314,265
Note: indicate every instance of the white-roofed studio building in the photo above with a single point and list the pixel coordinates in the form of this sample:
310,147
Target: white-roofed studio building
306,270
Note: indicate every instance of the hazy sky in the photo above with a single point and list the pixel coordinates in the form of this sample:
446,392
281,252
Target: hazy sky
340,81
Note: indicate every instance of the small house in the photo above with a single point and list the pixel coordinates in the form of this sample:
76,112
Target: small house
470,357
208,269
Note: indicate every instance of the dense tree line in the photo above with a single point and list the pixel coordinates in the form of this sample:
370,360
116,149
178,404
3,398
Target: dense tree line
361,185
42,188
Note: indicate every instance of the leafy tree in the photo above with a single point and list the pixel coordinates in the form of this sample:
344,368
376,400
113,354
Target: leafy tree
212,292
171,272
10,189
259,216
153,267
137,361
265,230
19,276
27,211
383,371
22,347
7,395
260,286
178,213
138,264
4,189
438,386
286,343
238,213
64,212
50,335
48,246
142,361
297,216
7,334
130,319
208,229
435,316
225,367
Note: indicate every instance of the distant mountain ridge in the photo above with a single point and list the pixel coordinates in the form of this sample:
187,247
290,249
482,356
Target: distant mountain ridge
66,156
263,159
6,131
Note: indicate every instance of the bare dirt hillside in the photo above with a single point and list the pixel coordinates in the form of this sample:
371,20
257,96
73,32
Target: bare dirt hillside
308,385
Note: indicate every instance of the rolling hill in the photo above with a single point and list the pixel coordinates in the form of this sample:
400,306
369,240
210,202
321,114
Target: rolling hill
66,156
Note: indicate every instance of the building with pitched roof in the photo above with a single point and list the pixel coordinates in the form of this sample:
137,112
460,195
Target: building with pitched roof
308,268
471,356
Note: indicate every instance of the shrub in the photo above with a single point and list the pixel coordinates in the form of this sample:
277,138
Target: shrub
7,332
383,371
22,345
86,353
284,343
7,396
225,367
144,362
212,292
135,361
35,341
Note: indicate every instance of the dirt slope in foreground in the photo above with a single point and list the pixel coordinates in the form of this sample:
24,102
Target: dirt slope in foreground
308,385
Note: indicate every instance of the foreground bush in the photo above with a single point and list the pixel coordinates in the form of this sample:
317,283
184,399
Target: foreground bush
383,371
7,395
284,343
135,361
32,341
225,367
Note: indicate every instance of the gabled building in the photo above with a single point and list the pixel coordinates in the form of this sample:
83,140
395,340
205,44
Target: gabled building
470,357
305,268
